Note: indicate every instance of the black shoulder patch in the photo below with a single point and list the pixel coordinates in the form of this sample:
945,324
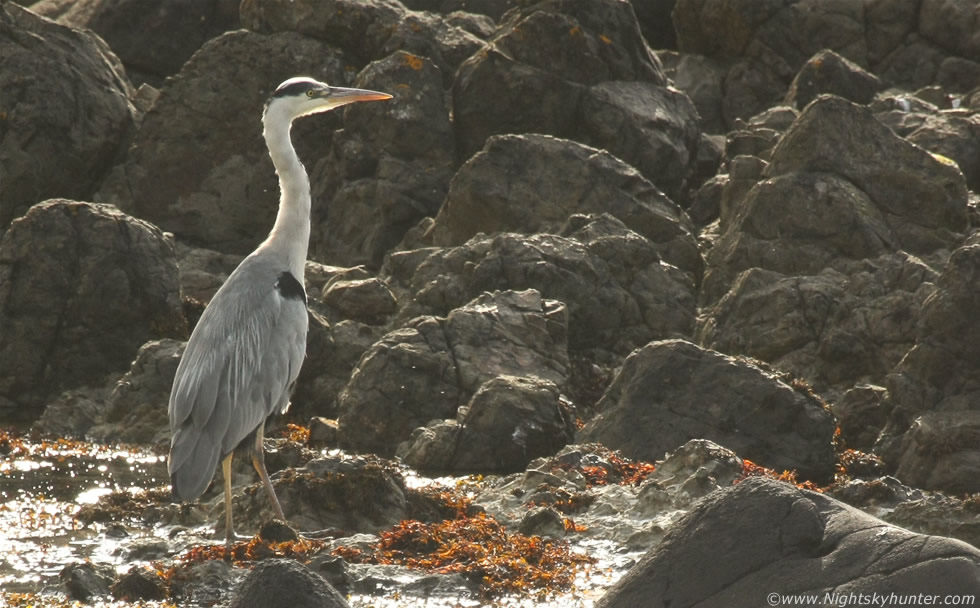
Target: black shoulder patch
289,288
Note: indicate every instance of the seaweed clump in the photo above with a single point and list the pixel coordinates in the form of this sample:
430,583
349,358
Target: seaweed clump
480,549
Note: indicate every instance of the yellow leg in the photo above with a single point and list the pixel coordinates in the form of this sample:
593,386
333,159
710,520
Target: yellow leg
226,473
258,461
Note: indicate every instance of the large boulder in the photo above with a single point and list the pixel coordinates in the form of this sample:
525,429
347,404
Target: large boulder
580,70
533,183
619,293
431,366
82,287
135,411
774,544
388,168
671,391
153,39
286,582
65,111
933,394
507,423
840,185
850,323
198,167
368,29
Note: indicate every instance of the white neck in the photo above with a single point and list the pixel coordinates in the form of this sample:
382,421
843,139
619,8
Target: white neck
290,235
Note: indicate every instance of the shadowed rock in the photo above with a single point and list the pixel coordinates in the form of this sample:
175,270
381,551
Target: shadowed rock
65,111
82,287
286,582
669,392
425,370
779,540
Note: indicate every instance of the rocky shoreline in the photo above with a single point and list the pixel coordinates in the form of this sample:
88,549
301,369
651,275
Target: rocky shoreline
732,245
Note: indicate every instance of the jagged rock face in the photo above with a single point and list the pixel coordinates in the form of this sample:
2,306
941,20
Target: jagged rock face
82,287
152,40
425,370
770,531
619,293
65,111
533,183
671,391
507,423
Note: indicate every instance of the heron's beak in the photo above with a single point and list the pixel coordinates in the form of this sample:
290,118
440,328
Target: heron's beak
340,95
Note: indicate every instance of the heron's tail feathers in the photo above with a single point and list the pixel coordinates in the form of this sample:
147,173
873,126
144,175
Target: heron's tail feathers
193,459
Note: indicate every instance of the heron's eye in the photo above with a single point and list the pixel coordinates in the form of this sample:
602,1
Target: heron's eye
309,93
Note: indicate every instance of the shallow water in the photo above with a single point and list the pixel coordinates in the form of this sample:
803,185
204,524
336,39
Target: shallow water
44,484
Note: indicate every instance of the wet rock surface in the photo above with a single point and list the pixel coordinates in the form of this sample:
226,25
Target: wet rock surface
811,543
732,240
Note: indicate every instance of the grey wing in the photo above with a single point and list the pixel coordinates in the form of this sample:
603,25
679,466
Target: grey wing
237,369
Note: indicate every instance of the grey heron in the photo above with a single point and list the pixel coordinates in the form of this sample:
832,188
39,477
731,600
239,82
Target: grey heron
245,352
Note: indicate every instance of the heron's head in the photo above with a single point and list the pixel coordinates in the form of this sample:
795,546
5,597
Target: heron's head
304,96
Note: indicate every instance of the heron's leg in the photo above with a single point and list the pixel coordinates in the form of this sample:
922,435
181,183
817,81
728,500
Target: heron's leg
226,473
258,461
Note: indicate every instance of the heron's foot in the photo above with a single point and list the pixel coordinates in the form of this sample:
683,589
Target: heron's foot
231,538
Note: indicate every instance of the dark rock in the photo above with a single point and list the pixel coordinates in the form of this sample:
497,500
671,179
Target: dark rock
750,87
360,27
929,441
198,167
951,25
389,167
652,127
133,412
861,415
204,271
82,287
140,583
829,73
543,521
86,582
701,78
886,194
507,423
958,75
323,431
532,74
426,369
533,183
777,539
332,352
655,23
913,64
367,300
65,111
276,531
367,29
832,328
671,391
954,137
899,181
286,582
364,494
618,292
706,206
153,40
494,9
